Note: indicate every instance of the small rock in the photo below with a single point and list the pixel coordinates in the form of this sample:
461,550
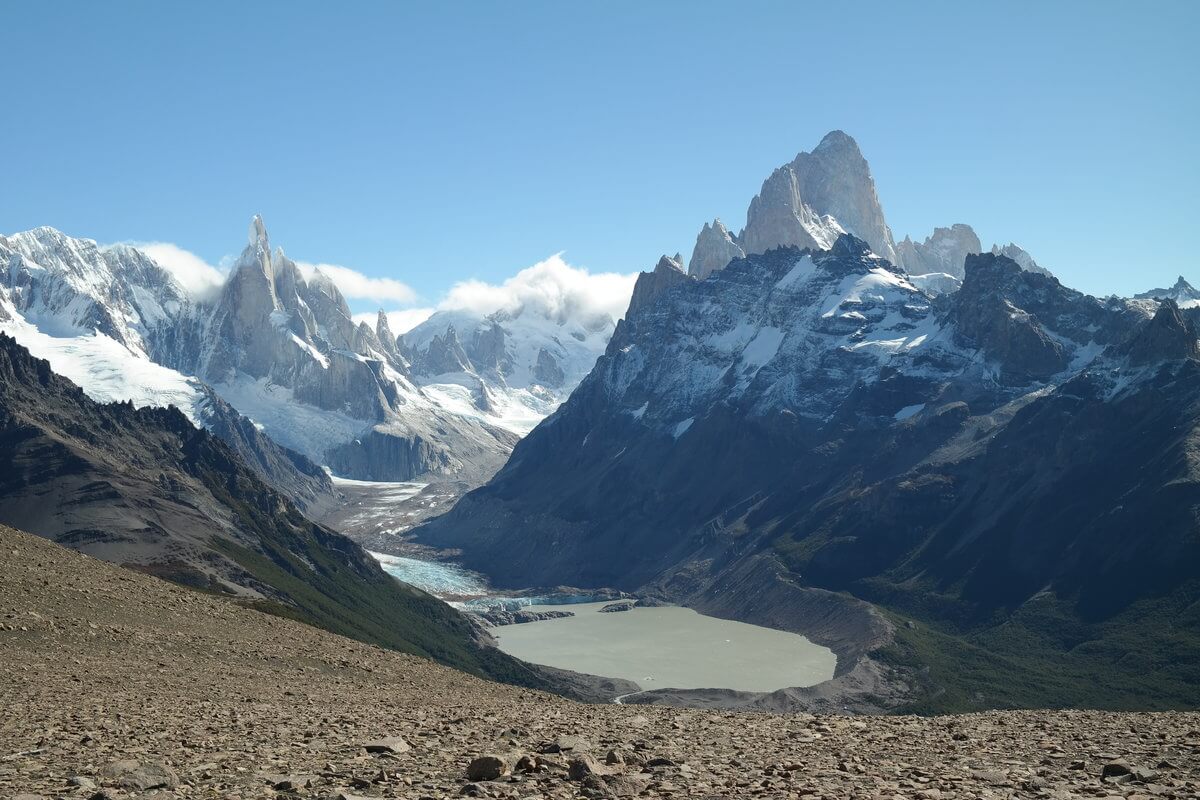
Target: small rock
292,783
82,782
1144,775
1114,769
389,744
565,744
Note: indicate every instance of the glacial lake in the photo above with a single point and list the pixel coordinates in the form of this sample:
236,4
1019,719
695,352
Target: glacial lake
668,648
656,648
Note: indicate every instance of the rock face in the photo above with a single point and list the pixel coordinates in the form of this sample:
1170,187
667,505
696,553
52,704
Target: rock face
812,200
1167,337
1020,256
806,203
944,251
666,275
276,346
715,247
870,440
836,181
778,216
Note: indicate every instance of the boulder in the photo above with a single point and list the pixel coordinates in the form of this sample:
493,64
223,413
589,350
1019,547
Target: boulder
488,768
132,774
389,744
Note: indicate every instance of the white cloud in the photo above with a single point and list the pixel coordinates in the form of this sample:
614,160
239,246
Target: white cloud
356,286
401,321
201,279
553,288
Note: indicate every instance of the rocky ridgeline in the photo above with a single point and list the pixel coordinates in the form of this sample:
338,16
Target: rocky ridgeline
117,685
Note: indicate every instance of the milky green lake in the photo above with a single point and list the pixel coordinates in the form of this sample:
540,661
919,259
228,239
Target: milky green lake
670,647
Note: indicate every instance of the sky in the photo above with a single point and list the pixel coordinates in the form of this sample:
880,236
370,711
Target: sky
428,147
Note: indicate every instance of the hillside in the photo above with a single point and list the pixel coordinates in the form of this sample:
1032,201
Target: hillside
117,679
147,489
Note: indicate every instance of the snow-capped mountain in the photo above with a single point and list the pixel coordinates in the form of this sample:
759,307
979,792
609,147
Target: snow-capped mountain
805,430
816,197
280,348
1183,293
509,368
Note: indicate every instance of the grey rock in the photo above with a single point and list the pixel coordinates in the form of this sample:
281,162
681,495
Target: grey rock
667,274
388,744
1021,256
140,775
583,766
817,196
620,605
488,768
944,251
715,248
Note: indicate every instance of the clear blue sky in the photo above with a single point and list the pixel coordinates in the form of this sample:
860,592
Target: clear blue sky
443,141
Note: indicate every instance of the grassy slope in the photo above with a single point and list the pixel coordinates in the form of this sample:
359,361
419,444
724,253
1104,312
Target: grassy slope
332,589
1045,656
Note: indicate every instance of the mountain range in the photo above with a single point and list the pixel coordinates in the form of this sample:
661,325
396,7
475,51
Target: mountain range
284,351
973,483
1004,470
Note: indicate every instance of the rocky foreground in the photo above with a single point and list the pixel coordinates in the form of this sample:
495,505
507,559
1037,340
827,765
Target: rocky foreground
116,684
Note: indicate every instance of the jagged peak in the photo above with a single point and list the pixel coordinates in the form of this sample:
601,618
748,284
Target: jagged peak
849,245
666,262
1166,336
324,284
987,267
838,140
258,234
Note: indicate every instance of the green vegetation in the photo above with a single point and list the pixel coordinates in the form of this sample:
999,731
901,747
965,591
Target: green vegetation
1044,656
321,578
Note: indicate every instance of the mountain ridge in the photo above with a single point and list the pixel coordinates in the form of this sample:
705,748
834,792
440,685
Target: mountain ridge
846,415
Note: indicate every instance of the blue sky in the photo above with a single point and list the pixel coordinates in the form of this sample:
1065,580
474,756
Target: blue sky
441,142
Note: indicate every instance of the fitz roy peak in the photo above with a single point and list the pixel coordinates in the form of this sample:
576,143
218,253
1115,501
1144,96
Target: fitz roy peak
813,199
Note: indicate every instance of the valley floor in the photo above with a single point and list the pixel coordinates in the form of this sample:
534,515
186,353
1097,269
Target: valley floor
114,679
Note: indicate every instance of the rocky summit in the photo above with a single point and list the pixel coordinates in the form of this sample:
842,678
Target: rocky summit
118,685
